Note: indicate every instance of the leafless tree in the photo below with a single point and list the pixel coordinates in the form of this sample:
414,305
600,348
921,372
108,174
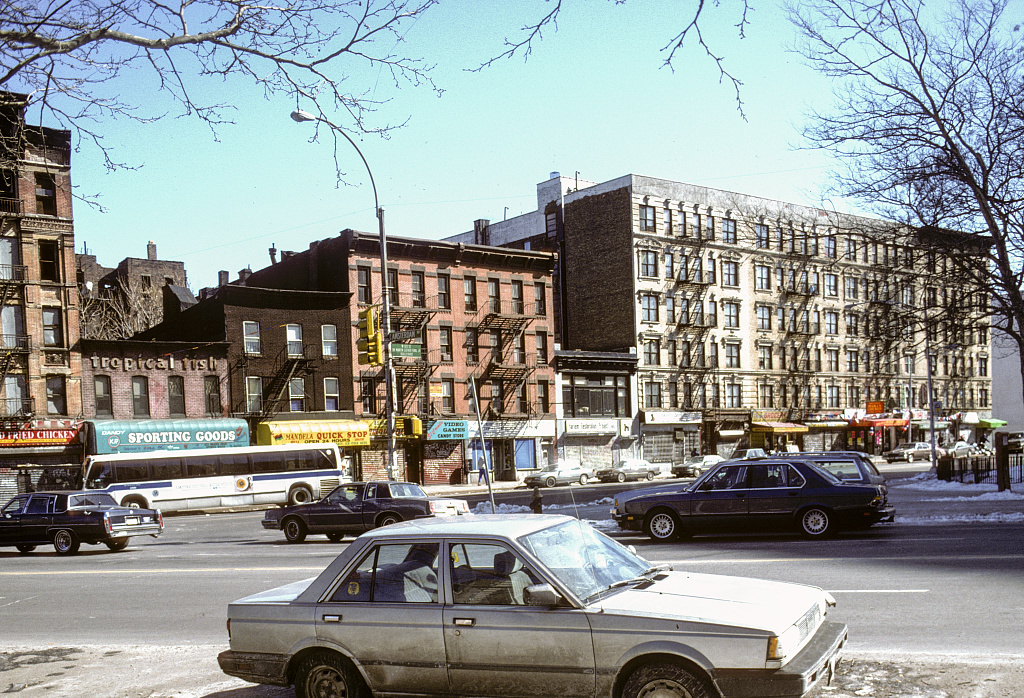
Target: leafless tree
927,117
118,312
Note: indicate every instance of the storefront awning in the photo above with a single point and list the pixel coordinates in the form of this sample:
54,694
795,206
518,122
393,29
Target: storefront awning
342,432
778,427
991,423
926,425
828,423
880,422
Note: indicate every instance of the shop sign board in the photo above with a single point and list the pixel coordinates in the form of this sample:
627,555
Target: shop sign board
115,436
35,436
344,433
447,430
583,427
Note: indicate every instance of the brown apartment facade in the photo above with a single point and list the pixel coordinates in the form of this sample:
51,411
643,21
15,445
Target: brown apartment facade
467,315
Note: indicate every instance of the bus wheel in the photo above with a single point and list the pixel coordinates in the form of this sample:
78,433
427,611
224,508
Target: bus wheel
294,530
300,495
133,503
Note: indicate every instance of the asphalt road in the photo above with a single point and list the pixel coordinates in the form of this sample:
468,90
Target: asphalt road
933,589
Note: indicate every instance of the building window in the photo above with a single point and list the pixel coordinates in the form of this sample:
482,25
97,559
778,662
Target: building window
646,217
445,343
332,394
469,292
832,360
176,396
851,288
669,266
831,285
764,358
764,317
710,277
761,237
147,282
211,395
472,345
253,394
294,334
364,287
652,394
762,278
53,329
832,396
544,398
104,402
497,398
830,248
393,288
731,312
852,361
329,340
368,391
729,231
447,396
419,294
649,263
56,395
297,394
652,352
734,395
46,194
766,395
649,307
519,350
666,219
730,273
732,355
831,322
251,337
518,301
542,348
670,309
140,396
494,295
540,302
444,292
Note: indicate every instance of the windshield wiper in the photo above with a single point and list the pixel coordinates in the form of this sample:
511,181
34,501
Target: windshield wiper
642,577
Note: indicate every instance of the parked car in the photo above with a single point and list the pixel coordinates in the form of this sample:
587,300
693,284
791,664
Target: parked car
960,449
692,467
1015,442
560,473
917,450
527,605
848,466
770,494
359,506
748,454
68,519
628,469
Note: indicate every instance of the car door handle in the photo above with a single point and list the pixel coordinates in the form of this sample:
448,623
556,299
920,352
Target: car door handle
465,621
330,618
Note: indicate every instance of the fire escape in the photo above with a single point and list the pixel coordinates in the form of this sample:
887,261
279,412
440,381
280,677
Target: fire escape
14,348
509,364
412,373
697,365
798,289
276,394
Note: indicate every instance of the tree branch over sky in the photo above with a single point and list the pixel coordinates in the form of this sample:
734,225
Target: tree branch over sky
928,116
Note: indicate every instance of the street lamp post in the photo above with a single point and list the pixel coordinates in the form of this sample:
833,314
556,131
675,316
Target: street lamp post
300,116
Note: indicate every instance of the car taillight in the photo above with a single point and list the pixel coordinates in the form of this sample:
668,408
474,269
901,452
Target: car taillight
106,523
160,518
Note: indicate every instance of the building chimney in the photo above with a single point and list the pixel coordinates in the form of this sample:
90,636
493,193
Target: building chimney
481,231
244,274
223,277
151,251
273,254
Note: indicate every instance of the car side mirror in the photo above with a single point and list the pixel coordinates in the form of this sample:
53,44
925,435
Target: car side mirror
541,595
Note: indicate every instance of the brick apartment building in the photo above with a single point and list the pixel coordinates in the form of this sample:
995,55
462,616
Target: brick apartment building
40,366
476,312
757,321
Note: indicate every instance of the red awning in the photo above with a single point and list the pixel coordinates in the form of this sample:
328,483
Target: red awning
881,422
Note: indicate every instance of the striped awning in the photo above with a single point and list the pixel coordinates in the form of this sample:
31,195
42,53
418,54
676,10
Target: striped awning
778,427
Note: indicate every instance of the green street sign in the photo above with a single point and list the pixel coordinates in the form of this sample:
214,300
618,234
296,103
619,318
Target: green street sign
407,351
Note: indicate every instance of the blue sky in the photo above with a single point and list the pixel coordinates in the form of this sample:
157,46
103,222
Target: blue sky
593,98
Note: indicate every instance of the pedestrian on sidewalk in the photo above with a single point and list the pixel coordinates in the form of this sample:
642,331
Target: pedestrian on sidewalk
482,475
537,503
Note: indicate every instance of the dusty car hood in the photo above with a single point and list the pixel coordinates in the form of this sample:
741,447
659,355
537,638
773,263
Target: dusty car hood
711,598
281,594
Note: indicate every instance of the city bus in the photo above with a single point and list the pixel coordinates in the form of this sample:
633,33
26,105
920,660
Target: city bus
181,480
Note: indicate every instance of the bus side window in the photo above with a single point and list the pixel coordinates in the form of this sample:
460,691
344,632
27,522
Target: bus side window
234,465
201,469
268,463
100,475
166,468
131,472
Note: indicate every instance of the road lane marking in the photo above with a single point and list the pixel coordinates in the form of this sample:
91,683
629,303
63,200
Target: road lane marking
879,591
168,570
754,560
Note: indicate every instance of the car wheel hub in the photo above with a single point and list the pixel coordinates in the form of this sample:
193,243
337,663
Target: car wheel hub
662,525
664,688
815,521
326,682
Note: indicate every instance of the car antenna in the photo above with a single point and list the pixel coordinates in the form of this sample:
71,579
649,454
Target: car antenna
586,549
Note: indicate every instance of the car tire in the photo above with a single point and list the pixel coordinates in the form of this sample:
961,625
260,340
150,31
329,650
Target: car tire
328,674
668,680
621,477
583,479
300,494
65,542
661,525
117,545
335,537
650,475
25,548
549,482
294,529
134,502
815,522
388,519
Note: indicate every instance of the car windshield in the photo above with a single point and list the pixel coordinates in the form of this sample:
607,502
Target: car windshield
97,499
407,490
586,561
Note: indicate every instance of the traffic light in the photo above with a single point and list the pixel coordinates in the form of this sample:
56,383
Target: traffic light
370,344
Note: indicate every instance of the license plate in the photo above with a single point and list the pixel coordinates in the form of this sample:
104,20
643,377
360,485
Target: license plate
131,520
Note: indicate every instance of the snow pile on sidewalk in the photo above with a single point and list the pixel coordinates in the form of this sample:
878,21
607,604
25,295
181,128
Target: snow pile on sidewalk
953,492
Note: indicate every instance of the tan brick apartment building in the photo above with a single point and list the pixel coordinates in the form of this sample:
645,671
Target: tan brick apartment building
476,311
757,321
